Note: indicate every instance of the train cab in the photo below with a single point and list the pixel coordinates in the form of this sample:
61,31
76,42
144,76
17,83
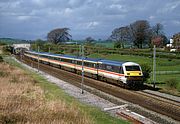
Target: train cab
133,73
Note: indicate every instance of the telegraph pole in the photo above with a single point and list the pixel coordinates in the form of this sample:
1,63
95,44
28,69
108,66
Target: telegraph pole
38,58
82,56
21,54
49,49
80,51
154,66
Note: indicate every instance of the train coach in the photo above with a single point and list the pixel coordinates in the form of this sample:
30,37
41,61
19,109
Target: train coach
121,73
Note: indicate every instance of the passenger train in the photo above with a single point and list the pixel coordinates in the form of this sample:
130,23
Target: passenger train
126,73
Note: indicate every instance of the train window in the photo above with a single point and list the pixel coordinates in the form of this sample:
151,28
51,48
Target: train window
109,67
68,60
89,64
73,61
94,65
116,69
103,67
86,64
132,68
121,70
44,56
79,62
55,58
99,66
51,58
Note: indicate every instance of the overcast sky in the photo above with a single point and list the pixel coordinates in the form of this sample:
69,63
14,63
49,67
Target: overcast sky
33,19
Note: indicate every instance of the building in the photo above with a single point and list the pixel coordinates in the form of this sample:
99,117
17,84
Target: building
17,48
176,41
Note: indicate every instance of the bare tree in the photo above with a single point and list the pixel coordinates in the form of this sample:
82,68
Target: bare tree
120,35
59,35
140,32
89,41
158,35
157,29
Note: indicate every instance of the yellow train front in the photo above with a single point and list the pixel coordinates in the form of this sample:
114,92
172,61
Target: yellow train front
133,74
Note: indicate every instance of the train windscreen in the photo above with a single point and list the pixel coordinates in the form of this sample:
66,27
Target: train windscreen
132,68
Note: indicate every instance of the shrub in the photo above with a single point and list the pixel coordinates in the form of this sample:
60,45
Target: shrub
172,83
1,59
7,50
146,69
3,74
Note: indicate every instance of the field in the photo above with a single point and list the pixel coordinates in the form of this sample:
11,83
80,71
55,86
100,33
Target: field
26,97
106,44
164,66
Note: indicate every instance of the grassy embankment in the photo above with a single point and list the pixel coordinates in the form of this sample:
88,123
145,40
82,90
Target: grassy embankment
26,97
162,65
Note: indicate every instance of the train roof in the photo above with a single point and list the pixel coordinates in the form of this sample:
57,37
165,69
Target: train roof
66,56
93,60
89,59
111,62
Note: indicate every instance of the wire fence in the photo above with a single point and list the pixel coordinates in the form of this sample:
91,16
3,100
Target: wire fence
167,72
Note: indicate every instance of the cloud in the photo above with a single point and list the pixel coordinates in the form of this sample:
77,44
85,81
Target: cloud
83,17
169,7
88,25
152,17
23,17
176,22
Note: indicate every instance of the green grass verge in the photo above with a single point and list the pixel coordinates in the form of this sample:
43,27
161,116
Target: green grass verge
53,92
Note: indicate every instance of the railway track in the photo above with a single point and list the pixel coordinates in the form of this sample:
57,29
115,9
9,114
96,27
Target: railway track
149,101
160,98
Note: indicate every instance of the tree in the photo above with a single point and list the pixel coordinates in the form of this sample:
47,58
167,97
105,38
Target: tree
36,43
146,69
140,32
120,35
89,41
158,29
158,37
158,41
59,35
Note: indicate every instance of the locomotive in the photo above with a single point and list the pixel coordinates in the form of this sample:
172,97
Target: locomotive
119,72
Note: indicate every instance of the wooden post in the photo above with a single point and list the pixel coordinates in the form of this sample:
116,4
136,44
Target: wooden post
154,66
82,81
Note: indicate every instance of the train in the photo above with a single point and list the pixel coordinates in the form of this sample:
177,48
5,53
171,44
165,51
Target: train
119,72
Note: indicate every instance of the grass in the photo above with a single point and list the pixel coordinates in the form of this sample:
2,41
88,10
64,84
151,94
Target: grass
22,101
107,44
162,65
47,102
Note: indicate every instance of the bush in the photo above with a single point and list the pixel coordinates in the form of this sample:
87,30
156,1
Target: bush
2,43
1,59
7,50
172,83
146,69
3,74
